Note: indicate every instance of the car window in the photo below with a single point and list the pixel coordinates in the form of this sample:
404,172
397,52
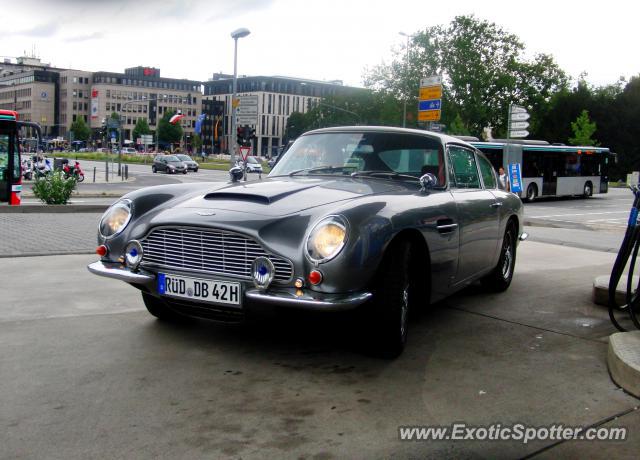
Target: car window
488,175
465,171
350,152
171,158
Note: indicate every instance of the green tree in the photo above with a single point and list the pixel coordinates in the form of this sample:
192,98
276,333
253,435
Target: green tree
80,130
583,129
142,127
483,70
297,123
196,142
168,132
457,127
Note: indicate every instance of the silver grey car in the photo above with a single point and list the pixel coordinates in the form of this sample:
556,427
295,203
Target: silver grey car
376,219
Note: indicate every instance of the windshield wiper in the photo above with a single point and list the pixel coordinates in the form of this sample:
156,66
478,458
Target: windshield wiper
389,174
319,169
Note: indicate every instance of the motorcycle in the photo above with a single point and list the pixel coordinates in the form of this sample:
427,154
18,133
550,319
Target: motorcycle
75,171
27,169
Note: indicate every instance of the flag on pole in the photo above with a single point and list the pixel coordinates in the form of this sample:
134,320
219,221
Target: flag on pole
177,117
199,121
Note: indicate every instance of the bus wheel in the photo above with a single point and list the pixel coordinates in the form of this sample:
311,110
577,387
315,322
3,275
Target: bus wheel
588,190
532,192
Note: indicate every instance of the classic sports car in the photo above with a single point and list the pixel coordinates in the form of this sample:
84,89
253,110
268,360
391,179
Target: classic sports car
376,218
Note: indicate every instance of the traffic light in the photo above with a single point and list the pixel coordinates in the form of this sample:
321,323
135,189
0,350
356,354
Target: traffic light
252,133
240,135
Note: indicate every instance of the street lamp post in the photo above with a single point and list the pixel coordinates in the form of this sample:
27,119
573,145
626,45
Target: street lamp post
236,34
406,72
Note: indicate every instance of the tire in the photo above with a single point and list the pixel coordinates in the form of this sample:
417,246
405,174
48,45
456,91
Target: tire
391,302
80,177
532,192
184,172
158,308
500,277
588,190
154,169
195,170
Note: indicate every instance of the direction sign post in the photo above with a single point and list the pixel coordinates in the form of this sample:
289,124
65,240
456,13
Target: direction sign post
430,99
247,111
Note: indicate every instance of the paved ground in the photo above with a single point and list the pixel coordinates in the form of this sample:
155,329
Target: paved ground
48,233
95,376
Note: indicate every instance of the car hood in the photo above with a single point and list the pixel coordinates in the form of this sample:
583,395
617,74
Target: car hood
281,196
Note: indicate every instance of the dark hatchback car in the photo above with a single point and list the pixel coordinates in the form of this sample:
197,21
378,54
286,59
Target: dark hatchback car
170,164
191,164
377,219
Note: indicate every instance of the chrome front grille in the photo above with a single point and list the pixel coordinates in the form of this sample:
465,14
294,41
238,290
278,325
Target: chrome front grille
216,252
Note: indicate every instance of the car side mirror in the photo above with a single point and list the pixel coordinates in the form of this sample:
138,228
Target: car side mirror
427,182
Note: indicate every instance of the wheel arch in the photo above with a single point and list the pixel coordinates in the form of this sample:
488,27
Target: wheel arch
420,262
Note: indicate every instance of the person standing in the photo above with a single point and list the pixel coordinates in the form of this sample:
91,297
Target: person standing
503,178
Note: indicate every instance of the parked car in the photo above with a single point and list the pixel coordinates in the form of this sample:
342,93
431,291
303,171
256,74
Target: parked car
129,151
169,164
254,165
379,219
191,164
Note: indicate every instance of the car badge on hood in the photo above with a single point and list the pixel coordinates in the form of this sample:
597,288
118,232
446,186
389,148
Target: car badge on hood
205,213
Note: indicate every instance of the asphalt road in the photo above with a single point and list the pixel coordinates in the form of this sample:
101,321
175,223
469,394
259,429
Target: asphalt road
87,373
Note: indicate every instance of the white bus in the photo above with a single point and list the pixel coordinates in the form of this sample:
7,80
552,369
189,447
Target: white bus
552,170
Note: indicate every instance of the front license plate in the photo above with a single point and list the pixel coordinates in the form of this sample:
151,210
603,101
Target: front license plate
201,290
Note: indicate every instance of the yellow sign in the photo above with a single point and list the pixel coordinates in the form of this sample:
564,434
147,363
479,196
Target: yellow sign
429,115
235,103
431,92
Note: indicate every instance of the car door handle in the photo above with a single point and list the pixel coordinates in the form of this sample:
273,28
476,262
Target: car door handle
446,226
497,204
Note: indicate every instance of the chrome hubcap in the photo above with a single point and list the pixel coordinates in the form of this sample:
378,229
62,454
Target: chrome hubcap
508,257
404,311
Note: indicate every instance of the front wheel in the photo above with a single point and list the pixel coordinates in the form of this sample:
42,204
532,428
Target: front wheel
154,169
588,190
184,172
391,302
159,309
500,277
80,177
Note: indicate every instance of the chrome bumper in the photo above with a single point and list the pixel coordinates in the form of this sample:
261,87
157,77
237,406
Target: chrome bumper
308,300
285,297
120,272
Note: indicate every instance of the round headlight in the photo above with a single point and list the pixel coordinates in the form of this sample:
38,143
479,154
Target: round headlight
327,239
133,254
115,219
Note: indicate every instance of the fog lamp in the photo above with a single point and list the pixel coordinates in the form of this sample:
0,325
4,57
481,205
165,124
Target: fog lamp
262,271
133,254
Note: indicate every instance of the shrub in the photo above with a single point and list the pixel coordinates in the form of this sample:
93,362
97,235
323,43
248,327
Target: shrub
54,188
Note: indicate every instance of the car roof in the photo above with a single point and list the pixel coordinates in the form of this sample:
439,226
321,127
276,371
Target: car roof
445,139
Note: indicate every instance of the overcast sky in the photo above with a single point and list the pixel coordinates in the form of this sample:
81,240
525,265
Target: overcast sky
322,40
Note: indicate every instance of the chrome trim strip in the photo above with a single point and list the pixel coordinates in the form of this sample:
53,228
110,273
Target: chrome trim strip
309,300
120,272
523,236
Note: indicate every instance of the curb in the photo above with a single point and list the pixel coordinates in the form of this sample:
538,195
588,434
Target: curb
54,208
623,359
600,293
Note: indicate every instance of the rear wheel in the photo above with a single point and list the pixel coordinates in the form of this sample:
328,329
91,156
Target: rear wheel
391,302
532,192
154,169
500,278
588,190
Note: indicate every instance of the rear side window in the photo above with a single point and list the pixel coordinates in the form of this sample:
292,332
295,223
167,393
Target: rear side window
488,176
465,170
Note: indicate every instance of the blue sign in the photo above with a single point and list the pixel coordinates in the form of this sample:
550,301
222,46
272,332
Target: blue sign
431,104
515,177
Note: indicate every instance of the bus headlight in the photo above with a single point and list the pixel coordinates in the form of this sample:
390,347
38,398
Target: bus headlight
327,239
115,219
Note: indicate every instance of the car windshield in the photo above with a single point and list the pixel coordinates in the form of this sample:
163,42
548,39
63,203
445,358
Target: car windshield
376,154
184,157
172,159
252,160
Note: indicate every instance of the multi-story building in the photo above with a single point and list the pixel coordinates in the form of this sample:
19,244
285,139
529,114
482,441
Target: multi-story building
278,97
34,94
140,92
75,98
212,131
